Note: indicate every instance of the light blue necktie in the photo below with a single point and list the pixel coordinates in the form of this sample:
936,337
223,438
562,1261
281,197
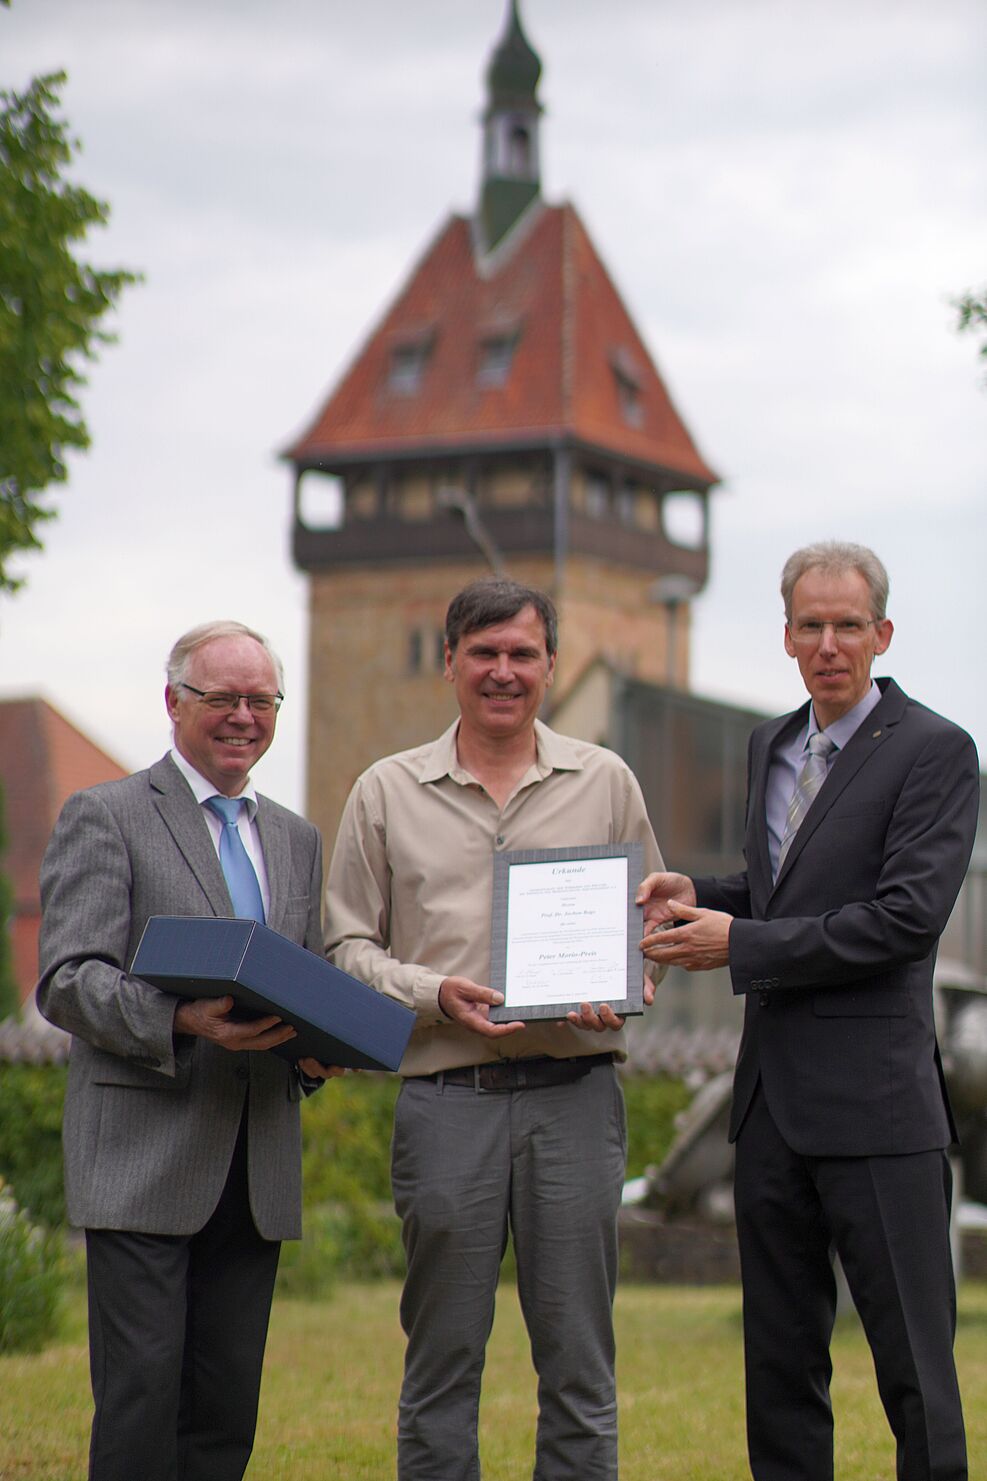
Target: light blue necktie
239,873
814,771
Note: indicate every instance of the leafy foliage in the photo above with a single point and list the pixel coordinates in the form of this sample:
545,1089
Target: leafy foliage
971,315
653,1103
346,1138
31,1279
351,1230
51,307
31,1101
356,1241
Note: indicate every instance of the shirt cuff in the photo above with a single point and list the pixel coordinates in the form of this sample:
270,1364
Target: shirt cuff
425,995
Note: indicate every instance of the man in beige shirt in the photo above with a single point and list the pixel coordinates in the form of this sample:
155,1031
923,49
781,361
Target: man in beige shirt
498,1126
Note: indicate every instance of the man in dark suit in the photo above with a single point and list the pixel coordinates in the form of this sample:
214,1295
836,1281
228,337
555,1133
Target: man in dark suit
862,808
182,1139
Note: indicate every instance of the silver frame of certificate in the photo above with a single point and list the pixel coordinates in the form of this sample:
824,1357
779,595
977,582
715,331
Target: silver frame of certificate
506,884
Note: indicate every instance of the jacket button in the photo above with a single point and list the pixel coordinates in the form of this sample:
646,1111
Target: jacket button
764,999
242,1072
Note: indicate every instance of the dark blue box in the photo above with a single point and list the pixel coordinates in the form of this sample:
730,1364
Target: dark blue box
338,1019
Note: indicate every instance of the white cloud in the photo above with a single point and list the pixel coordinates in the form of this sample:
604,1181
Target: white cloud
786,194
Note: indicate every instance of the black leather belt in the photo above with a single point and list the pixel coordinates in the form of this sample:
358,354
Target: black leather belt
519,1074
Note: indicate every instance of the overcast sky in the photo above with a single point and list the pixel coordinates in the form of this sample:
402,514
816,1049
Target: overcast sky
787,195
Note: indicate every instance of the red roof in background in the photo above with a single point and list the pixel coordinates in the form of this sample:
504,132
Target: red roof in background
43,758
551,287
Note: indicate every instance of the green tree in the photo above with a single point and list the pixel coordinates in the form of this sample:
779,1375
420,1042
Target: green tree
51,308
971,315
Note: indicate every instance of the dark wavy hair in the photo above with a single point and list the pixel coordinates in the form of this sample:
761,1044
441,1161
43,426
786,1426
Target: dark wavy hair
495,599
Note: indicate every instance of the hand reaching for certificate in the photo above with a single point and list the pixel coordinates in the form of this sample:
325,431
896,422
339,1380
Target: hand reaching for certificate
677,932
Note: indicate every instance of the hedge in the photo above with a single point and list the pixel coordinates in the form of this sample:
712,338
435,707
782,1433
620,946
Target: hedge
346,1137
31,1101
32,1278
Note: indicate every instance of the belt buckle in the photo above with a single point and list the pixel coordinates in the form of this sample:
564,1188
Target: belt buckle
497,1074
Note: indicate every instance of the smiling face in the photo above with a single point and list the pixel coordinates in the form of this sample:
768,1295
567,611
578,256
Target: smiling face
836,670
501,674
224,746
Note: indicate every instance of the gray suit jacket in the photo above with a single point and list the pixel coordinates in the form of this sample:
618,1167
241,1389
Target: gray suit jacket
151,1119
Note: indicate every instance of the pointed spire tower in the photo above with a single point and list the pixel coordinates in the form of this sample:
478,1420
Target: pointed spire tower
511,171
504,412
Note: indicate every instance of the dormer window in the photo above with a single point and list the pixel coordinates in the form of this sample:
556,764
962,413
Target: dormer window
628,382
497,339
409,358
496,358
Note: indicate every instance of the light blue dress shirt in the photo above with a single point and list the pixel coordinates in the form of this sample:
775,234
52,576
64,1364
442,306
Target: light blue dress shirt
787,761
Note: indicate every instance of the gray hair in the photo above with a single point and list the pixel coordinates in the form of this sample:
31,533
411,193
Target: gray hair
495,599
197,637
837,556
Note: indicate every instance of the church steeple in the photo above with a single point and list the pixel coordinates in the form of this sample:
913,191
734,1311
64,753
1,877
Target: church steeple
511,175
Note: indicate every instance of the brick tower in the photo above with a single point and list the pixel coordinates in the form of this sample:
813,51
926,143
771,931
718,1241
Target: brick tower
504,413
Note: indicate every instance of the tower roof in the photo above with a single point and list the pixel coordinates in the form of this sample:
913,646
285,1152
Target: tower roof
515,66
577,368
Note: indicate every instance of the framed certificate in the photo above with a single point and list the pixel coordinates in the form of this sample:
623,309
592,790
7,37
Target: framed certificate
565,930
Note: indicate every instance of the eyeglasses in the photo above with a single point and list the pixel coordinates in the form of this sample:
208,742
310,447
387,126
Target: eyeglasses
219,700
847,631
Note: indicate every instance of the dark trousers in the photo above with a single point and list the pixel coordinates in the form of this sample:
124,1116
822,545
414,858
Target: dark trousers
177,1327
888,1218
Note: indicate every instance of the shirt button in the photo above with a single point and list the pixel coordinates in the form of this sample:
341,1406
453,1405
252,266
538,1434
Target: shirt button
499,840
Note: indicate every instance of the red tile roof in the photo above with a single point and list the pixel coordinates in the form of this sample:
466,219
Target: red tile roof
574,330
43,758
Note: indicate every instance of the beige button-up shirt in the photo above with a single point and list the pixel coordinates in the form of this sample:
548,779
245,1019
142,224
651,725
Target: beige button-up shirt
411,879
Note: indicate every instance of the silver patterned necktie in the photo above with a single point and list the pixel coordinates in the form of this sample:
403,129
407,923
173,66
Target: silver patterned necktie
810,779
239,873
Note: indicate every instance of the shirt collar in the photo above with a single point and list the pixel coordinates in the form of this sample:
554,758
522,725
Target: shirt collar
842,729
203,789
553,752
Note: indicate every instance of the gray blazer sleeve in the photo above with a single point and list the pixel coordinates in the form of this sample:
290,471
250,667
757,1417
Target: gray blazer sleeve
87,939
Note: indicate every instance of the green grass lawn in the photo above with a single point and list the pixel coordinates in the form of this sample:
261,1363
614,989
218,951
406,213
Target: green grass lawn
333,1368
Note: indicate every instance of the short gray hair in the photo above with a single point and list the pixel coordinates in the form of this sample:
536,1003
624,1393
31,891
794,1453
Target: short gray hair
837,556
197,637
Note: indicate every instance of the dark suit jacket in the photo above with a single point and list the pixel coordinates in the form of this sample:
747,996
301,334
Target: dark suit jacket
151,1119
836,957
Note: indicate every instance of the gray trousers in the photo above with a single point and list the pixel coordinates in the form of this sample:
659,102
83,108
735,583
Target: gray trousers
549,1164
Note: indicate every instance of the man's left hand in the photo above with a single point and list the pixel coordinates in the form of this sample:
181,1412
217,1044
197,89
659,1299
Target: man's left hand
701,943
317,1071
600,1019
603,1018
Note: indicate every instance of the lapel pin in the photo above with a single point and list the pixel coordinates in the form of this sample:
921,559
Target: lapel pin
875,735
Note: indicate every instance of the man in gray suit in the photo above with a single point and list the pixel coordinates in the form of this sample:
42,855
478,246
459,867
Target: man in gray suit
182,1138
